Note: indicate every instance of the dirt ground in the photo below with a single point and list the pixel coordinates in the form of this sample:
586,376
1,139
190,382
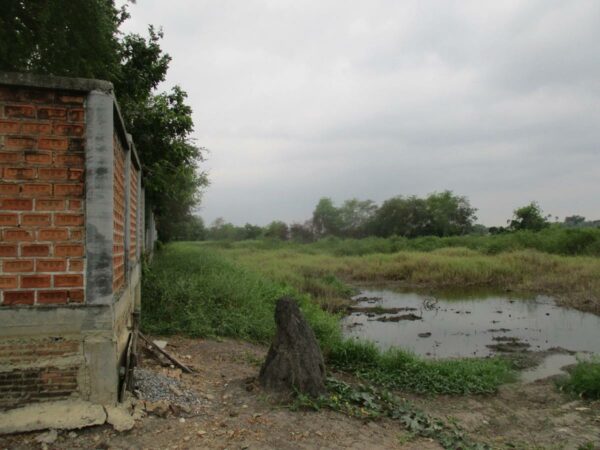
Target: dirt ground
234,415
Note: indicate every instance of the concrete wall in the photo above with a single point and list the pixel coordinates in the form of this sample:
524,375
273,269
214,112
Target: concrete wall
72,232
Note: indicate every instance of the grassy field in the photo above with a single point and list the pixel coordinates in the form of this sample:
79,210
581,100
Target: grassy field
194,290
323,272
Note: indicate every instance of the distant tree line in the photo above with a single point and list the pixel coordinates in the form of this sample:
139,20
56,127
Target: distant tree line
441,214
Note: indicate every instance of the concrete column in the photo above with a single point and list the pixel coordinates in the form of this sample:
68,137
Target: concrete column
99,201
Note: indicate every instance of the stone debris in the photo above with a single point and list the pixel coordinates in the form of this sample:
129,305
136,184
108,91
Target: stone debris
119,417
162,394
160,344
47,438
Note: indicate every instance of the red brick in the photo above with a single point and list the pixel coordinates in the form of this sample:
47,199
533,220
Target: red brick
51,265
71,220
51,113
34,157
19,111
60,144
18,298
76,296
68,250
68,280
11,157
19,173
8,282
68,190
53,174
17,265
76,174
53,234
49,205
19,142
8,250
75,205
76,235
36,189
9,220
68,129
76,144
17,234
70,98
36,128
52,297
34,95
35,250
9,189
70,160
35,281
76,115
9,126
17,204
76,265
36,220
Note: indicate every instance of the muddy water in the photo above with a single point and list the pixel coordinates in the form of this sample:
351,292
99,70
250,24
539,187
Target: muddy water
474,324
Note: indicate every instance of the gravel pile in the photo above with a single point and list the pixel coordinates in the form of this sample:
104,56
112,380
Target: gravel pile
153,387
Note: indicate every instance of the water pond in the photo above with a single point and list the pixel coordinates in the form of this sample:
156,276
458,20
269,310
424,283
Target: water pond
475,324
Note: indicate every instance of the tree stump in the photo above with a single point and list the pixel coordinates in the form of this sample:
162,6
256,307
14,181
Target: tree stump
294,360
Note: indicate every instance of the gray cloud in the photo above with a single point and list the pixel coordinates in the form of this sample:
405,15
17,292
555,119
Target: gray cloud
302,99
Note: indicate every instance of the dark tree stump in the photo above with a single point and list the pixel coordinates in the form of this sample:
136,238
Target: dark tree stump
294,360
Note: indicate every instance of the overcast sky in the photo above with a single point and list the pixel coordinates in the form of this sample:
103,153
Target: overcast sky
297,100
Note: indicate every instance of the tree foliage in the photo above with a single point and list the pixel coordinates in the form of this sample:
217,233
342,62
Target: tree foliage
82,39
529,217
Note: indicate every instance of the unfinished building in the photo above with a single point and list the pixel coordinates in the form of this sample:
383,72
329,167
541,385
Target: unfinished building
71,241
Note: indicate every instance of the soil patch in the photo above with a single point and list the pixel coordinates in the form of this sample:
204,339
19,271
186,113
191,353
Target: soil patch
235,413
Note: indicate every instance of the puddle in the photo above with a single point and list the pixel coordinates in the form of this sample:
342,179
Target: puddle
474,325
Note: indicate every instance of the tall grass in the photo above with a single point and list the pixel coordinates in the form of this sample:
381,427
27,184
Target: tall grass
553,240
574,281
191,289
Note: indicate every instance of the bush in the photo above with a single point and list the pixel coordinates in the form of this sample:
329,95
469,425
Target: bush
584,379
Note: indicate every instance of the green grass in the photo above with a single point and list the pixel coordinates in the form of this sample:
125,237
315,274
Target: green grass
399,369
191,289
573,280
584,379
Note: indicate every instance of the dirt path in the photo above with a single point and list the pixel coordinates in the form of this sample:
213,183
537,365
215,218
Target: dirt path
235,415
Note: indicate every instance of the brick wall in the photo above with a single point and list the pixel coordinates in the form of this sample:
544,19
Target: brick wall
44,370
133,211
41,196
119,216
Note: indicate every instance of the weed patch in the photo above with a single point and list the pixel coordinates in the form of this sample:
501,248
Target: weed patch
584,379
368,402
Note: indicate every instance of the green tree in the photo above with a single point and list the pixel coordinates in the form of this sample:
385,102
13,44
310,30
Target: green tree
529,217
252,231
326,218
277,230
302,232
82,39
449,214
574,221
71,38
439,214
355,215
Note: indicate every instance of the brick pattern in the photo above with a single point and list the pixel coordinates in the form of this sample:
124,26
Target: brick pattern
41,196
133,208
34,384
119,216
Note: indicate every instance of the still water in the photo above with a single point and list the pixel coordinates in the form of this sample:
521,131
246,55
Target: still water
473,324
